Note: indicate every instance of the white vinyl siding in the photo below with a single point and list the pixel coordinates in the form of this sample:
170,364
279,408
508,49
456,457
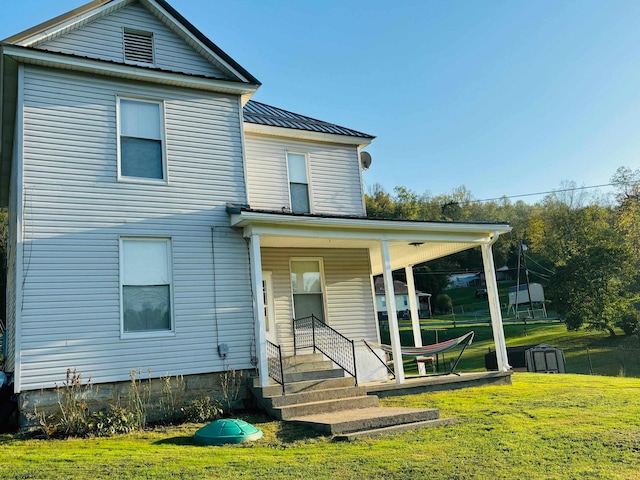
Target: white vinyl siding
348,296
333,170
13,234
76,211
103,39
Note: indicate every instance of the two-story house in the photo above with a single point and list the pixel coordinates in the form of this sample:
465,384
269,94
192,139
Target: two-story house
159,219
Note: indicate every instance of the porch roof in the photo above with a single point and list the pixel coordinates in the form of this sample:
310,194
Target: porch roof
410,242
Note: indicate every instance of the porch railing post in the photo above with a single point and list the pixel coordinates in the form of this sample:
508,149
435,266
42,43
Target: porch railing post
313,331
295,347
355,370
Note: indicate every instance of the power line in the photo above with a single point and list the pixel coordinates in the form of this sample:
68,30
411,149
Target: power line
542,193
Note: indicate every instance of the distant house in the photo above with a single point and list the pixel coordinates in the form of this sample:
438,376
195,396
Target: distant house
478,278
463,280
160,219
401,291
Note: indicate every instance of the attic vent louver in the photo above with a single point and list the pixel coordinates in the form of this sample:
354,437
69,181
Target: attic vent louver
138,47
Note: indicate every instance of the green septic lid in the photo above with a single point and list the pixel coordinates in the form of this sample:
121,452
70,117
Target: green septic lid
225,431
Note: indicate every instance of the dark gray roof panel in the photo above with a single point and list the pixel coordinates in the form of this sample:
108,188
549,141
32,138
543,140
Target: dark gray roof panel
263,114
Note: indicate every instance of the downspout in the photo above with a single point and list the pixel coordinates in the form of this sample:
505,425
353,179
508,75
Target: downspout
3,347
494,304
1,93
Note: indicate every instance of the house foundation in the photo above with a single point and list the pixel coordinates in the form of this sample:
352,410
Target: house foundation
156,393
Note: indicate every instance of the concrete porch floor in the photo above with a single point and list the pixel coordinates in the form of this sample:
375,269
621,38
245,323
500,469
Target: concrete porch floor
434,383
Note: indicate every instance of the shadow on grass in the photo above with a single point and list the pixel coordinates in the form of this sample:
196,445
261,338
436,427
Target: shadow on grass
291,433
184,440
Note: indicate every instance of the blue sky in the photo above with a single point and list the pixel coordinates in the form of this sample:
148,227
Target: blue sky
503,97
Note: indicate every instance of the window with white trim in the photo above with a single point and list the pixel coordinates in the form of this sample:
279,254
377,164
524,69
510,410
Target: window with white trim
145,285
141,139
306,287
298,182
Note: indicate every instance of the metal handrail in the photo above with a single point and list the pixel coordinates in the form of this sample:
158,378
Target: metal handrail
274,363
313,332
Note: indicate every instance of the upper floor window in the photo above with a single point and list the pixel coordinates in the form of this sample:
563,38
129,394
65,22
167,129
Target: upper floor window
298,183
141,139
138,46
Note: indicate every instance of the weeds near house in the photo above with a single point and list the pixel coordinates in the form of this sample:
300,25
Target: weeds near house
202,410
172,396
231,382
139,396
72,400
113,421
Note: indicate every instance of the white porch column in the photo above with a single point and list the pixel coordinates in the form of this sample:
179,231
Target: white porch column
415,315
390,295
494,308
255,261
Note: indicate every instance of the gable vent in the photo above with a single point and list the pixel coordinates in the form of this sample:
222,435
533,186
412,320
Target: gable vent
138,47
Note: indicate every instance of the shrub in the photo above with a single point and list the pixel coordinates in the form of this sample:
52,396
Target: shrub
202,410
443,304
113,421
629,323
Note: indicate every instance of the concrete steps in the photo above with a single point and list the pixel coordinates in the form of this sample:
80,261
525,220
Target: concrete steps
321,397
366,419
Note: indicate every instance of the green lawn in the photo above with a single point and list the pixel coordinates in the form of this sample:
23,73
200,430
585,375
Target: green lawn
609,356
544,426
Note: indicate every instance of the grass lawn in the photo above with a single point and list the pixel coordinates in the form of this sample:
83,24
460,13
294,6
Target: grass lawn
544,426
617,356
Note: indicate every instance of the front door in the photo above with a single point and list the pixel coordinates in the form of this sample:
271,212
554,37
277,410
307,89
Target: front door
269,310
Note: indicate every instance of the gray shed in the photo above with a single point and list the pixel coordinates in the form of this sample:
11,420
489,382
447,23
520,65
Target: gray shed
545,359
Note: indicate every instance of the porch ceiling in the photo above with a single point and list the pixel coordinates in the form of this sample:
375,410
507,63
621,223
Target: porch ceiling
409,242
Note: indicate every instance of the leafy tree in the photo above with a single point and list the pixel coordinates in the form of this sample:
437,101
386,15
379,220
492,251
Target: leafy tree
592,267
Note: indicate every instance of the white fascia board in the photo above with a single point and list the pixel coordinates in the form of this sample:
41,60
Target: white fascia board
271,131
69,24
366,230
259,218
41,57
363,235
186,32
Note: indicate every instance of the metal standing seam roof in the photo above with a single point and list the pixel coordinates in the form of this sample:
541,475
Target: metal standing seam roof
263,114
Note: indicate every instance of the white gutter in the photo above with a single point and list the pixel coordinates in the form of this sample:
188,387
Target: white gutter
249,218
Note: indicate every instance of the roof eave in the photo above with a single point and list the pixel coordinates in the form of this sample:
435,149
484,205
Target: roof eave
101,67
245,218
66,20
56,21
272,131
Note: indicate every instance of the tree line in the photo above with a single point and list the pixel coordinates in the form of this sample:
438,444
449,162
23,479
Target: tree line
583,247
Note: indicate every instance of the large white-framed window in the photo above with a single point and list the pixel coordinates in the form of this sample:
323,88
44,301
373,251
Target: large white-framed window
299,192
146,293
141,140
307,287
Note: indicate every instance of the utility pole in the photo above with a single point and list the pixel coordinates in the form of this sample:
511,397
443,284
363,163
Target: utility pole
526,272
